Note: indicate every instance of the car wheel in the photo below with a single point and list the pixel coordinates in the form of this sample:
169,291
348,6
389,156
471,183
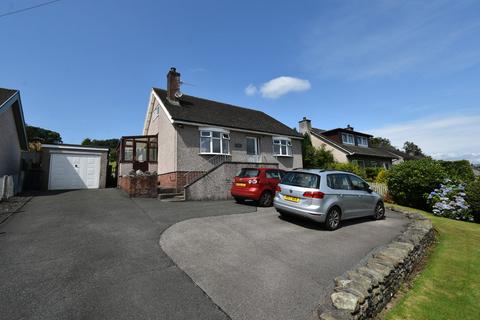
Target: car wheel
379,211
332,222
266,199
239,200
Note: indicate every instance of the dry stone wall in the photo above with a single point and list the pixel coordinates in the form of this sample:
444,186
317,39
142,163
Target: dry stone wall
363,292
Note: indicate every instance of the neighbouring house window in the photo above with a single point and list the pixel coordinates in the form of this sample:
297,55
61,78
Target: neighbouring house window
216,142
362,141
360,163
282,146
139,149
347,138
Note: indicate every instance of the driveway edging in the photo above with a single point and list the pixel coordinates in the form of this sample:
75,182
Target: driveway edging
364,291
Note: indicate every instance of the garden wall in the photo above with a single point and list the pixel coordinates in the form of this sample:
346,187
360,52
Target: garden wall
144,186
363,292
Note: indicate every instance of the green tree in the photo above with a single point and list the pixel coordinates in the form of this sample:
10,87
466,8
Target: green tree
315,157
410,182
44,135
111,144
381,143
412,149
459,171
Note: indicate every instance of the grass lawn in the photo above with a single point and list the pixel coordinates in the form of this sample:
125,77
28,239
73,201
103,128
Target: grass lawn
449,286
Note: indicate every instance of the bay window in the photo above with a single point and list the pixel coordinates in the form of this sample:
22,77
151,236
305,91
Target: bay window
282,146
214,141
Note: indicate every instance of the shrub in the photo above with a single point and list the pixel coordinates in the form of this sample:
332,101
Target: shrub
449,201
410,182
315,157
372,173
473,198
460,171
349,167
381,176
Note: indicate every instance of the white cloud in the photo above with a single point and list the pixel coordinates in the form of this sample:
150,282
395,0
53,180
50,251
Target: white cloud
282,85
250,90
447,137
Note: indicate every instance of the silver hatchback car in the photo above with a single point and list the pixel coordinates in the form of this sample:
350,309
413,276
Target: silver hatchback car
327,196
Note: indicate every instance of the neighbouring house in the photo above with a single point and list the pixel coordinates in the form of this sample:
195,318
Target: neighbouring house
13,140
348,145
189,140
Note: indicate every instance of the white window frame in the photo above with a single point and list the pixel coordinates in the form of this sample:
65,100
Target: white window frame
207,132
282,142
346,137
362,141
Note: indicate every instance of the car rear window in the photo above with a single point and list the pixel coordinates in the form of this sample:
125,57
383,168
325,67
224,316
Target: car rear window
248,173
301,179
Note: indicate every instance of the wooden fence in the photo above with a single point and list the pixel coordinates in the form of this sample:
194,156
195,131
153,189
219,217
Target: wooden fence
380,188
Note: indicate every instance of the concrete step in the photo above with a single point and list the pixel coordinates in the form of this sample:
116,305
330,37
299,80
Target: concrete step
178,198
170,195
166,190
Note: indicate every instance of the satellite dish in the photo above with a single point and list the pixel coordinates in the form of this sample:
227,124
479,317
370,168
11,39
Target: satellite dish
178,94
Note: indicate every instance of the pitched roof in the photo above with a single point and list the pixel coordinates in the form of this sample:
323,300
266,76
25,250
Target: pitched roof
198,110
11,98
6,94
355,150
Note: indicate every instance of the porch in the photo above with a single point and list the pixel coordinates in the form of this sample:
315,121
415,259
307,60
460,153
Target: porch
137,153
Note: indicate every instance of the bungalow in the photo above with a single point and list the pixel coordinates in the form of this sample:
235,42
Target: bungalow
185,138
13,139
348,145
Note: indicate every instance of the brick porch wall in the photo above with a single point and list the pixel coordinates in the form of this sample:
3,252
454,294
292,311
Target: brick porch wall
139,186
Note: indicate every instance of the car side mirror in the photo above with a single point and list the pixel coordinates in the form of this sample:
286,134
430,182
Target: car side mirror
369,190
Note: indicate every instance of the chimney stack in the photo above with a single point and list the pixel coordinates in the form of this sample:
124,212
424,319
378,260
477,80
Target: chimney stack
349,127
305,125
173,84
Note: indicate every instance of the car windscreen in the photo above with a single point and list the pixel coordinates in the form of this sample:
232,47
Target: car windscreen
248,173
301,179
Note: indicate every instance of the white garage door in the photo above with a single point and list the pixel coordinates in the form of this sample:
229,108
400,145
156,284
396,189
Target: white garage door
74,171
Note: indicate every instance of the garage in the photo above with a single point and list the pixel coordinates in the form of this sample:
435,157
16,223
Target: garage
69,167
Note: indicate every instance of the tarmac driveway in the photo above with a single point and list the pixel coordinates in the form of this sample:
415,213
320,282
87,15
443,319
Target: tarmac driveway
259,266
94,254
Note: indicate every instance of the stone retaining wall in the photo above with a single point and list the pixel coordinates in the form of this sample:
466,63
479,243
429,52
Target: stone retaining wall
363,292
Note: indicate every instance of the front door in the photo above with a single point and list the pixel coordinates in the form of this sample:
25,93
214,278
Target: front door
253,152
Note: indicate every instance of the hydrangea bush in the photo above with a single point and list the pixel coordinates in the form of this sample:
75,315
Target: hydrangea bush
449,201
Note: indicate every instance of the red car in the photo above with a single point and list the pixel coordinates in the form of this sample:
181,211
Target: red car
256,184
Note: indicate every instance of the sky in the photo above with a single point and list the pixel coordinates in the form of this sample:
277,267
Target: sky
404,70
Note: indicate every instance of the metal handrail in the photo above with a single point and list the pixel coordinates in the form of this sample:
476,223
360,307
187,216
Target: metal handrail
211,163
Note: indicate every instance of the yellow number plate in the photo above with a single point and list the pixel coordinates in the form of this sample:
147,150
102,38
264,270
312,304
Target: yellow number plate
290,198
240,184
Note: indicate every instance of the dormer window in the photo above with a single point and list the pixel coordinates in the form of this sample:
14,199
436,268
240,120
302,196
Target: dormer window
362,142
347,138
